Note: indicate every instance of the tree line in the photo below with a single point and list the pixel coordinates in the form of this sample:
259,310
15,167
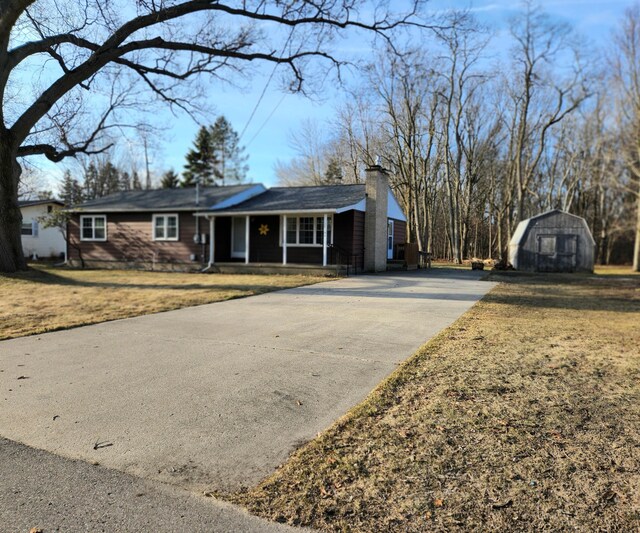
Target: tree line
473,148
216,158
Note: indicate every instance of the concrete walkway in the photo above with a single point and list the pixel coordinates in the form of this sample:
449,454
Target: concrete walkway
217,396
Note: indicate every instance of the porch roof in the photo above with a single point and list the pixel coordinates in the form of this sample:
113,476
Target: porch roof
315,199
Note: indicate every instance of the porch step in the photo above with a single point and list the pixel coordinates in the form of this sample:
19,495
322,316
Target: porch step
274,268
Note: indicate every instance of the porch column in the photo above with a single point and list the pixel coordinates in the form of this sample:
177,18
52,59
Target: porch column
212,228
284,239
324,242
246,242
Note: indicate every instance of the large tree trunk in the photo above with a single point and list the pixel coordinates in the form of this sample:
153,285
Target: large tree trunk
11,255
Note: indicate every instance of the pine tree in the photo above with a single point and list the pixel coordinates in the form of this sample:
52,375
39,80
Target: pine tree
91,185
71,192
170,180
333,173
230,162
136,184
109,176
200,161
125,181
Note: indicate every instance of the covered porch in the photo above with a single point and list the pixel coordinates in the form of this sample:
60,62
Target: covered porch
298,240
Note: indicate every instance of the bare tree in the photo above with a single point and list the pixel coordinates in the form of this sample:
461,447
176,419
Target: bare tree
627,77
541,93
109,56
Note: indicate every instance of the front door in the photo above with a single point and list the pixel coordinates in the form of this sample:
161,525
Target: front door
238,237
389,239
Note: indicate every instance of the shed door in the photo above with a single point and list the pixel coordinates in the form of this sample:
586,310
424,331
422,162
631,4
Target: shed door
557,253
567,253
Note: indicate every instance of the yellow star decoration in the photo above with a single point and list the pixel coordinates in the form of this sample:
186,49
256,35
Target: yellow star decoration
264,229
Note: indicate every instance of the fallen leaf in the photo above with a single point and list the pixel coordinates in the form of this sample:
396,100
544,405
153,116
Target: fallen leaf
438,502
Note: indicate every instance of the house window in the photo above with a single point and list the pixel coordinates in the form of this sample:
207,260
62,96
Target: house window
27,228
305,230
320,230
93,228
165,227
308,231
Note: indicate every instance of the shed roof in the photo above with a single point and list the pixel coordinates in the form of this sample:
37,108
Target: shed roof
521,229
163,199
283,199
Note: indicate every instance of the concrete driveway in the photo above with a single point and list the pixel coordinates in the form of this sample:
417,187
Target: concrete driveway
217,396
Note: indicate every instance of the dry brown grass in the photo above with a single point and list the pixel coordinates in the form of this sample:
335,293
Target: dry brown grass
523,416
48,299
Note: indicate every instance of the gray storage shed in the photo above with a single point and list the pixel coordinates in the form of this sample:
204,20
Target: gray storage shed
554,241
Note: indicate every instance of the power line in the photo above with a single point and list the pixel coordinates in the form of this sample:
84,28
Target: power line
267,119
265,90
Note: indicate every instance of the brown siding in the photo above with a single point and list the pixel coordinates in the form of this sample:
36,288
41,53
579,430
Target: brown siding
265,248
358,238
129,239
399,231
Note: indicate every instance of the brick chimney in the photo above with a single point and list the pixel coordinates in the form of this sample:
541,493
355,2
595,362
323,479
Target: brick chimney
375,219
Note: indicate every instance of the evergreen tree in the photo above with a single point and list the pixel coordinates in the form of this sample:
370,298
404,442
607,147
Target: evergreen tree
91,184
170,180
230,162
333,173
136,184
200,161
109,177
71,192
125,181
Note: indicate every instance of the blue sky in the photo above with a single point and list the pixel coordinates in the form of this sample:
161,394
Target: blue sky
266,135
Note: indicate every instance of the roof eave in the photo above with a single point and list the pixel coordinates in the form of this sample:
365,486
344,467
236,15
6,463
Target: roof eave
209,214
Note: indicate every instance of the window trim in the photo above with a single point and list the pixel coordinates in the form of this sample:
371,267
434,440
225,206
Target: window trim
297,218
165,227
93,228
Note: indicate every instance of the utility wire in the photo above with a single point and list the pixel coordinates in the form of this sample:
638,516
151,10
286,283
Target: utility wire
264,91
267,119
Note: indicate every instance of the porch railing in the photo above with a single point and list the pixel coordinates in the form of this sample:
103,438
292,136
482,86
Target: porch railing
342,258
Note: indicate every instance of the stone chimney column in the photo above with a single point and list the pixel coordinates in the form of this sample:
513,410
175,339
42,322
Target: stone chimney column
375,219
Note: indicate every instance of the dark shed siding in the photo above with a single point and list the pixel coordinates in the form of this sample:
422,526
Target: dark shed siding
130,238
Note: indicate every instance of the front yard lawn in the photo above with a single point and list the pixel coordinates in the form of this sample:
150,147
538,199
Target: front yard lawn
48,299
522,416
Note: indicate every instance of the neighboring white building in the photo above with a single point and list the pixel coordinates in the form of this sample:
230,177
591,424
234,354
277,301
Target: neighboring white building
44,242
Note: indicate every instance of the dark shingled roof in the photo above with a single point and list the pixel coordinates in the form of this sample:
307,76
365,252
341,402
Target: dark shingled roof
27,203
301,198
162,199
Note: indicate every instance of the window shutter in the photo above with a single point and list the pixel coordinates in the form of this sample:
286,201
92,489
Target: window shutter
34,228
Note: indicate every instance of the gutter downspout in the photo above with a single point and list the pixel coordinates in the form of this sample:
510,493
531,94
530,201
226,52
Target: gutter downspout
211,249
